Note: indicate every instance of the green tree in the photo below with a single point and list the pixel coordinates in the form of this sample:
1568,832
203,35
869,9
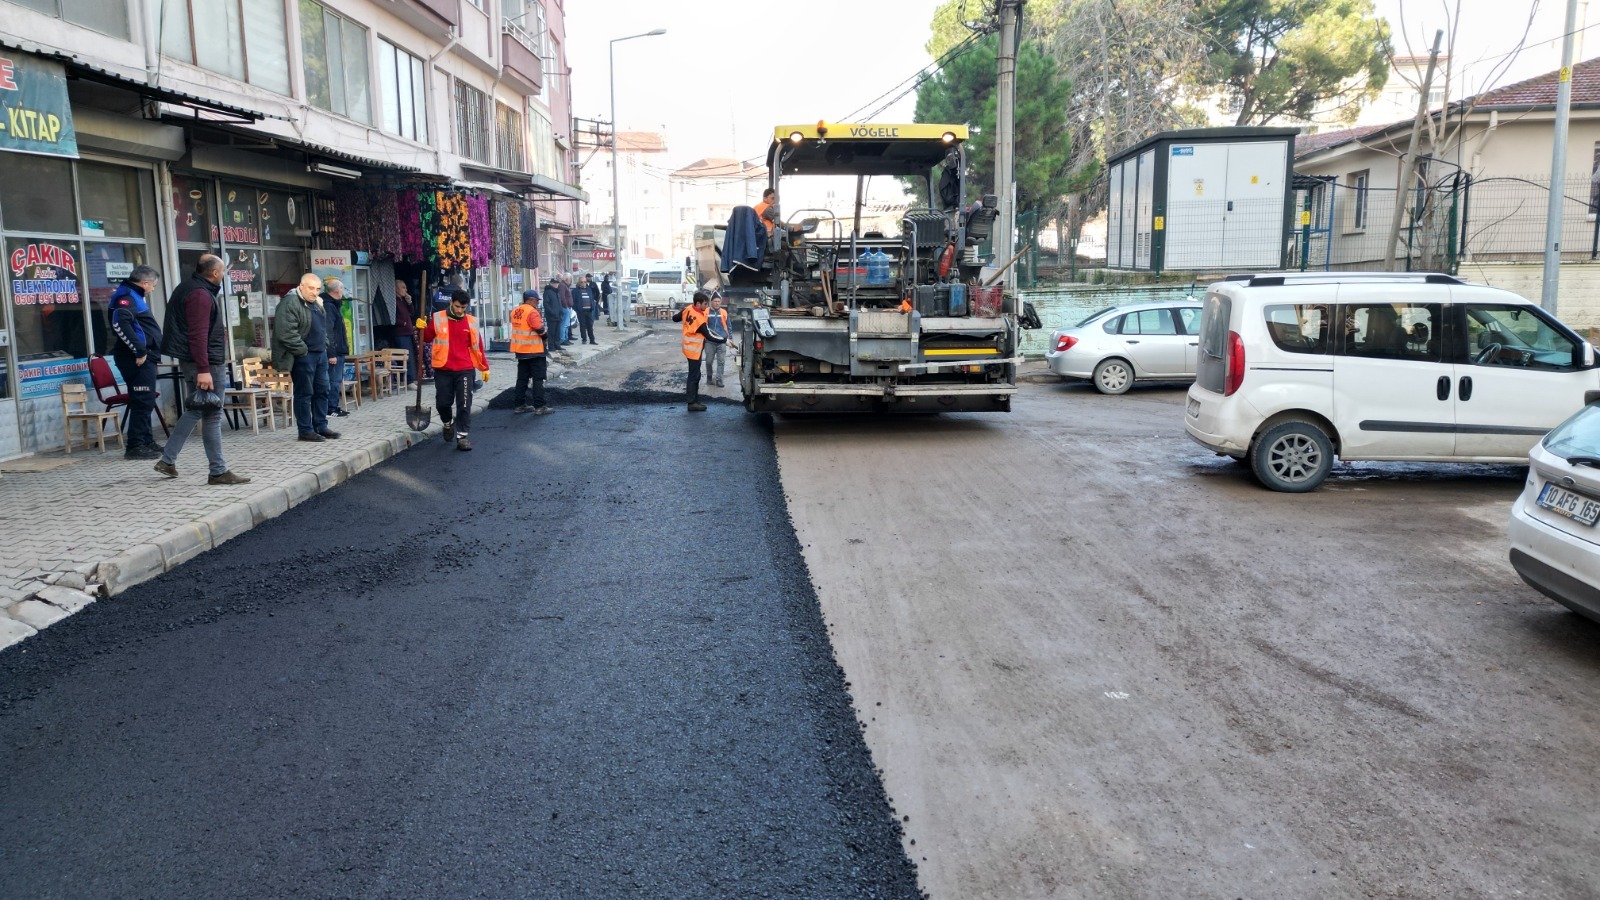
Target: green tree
1293,58
964,92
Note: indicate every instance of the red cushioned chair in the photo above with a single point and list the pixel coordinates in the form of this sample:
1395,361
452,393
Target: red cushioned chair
104,380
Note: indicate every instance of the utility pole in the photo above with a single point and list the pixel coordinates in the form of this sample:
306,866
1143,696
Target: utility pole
1408,166
1558,167
1005,129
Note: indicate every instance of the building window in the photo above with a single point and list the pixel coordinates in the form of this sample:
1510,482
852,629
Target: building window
544,155
508,138
105,16
244,39
335,50
472,133
552,72
1357,183
400,78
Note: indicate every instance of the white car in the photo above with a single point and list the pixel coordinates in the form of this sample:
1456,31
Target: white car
1119,345
1296,368
1554,543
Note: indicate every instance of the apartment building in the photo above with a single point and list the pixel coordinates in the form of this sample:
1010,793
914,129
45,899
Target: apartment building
283,135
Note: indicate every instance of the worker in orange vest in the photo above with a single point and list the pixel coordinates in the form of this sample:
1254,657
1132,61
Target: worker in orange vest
695,334
457,359
527,344
767,209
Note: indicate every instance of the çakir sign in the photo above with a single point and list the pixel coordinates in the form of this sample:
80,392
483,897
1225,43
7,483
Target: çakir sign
41,379
42,275
35,114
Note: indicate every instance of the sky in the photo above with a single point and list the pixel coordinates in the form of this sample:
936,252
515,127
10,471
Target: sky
728,71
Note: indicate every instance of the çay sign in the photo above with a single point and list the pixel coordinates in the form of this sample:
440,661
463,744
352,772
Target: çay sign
35,114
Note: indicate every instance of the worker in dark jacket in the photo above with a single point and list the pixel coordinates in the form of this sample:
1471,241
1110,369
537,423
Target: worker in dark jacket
136,348
338,344
554,313
196,336
586,303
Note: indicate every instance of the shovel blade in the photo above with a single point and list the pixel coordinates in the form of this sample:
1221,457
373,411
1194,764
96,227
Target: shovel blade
418,417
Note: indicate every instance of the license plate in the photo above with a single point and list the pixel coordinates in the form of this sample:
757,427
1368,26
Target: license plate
1574,506
1194,407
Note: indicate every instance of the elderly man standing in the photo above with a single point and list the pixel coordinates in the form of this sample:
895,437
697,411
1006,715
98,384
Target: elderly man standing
196,336
405,332
299,347
338,344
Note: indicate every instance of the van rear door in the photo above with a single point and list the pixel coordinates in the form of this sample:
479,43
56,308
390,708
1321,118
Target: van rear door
1211,368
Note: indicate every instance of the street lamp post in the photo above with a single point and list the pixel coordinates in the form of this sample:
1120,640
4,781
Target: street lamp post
619,308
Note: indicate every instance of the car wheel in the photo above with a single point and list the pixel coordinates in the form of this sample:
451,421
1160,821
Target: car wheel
1113,376
1293,457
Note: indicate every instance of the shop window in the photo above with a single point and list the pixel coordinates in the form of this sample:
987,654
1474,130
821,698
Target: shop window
191,210
244,39
400,78
105,265
241,297
239,212
105,16
109,203
472,126
335,50
36,195
508,138
282,216
46,305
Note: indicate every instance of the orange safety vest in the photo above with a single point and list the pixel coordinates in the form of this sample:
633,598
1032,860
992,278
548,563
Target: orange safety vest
441,342
526,323
693,344
761,208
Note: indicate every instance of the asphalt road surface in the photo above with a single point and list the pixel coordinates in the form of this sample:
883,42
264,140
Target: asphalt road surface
582,661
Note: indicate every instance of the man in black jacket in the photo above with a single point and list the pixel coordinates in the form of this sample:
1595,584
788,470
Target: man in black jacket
136,348
338,344
196,338
554,314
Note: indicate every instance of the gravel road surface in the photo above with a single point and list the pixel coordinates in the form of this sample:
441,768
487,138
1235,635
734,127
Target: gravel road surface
584,660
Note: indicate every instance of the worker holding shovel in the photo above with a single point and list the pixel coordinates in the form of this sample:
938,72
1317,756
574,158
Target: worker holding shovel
458,358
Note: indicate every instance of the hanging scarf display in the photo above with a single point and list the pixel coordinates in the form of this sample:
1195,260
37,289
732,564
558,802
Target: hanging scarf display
409,217
480,237
428,215
352,223
385,223
505,252
453,234
530,235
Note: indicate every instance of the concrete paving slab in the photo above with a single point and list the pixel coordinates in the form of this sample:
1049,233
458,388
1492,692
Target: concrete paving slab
12,631
67,598
37,614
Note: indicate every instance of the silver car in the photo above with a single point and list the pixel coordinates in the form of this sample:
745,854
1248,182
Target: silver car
1119,345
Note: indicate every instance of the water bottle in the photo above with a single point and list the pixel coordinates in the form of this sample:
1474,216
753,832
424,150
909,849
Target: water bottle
863,273
880,268
958,299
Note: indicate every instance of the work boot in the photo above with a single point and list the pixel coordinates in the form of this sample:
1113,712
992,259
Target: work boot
168,469
449,431
543,411
144,451
311,437
463,444
227,478
522,409
329,434
697,406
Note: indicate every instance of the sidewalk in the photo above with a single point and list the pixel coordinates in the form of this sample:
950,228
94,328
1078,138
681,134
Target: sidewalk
86,526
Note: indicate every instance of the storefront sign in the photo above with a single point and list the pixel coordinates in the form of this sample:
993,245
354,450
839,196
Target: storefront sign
44,274
116,271
41,379
35,114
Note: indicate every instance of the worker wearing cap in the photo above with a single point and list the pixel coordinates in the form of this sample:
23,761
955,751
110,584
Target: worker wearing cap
527,344
696,331
458,359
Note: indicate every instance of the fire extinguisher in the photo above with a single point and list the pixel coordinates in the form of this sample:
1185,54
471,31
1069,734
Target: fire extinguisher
946,258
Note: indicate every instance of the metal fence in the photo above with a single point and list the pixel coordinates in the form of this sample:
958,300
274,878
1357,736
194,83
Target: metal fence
1442,224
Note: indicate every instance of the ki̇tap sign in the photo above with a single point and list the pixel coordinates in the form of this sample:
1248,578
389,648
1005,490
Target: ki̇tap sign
35,114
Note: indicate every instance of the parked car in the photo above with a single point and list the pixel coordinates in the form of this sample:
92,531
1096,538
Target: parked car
1554,543
1119,345
1296,369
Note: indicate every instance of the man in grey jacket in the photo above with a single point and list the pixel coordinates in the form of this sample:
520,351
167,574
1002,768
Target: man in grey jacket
299,347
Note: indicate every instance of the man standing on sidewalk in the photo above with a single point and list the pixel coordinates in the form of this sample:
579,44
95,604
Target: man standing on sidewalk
695,334
458,359
196,337
405,333
717,348
299,347
136,348
586,301
552,314
338,344
527,343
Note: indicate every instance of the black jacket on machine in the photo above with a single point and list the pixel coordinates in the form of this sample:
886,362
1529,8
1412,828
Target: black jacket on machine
175,341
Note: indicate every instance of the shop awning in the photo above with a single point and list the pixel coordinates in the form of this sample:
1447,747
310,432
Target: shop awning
87,71
524,182
262,140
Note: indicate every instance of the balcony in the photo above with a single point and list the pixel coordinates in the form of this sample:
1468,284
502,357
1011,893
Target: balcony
434,17
524,70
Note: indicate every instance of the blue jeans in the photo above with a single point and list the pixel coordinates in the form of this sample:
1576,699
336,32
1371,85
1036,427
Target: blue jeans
210,423
336,384
310,374
408,345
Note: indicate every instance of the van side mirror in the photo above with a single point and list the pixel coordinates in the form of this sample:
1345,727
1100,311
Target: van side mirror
1588,355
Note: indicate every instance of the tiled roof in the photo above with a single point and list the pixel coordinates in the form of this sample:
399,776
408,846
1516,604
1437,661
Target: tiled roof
1541,90
1312,143
720,167
641,142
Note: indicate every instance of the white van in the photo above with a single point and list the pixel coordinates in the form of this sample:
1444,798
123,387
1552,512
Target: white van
665,283
1295,369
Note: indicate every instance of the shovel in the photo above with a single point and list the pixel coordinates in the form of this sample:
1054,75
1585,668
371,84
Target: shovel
418,417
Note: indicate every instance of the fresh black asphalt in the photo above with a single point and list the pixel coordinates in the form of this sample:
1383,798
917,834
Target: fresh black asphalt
584,660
